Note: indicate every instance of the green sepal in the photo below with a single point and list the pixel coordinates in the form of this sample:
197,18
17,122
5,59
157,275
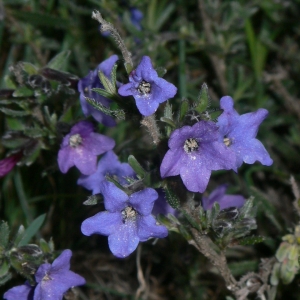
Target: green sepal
128,67
214,114
45,247
248,210
168,121
283,251
118,113
203,100
108,85
59,61
94,199
29,68
116,183
212,213
275,274
135,165
171,196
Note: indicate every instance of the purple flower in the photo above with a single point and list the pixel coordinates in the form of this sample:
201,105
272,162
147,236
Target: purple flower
194,152
147,88
52,281
20,292
8,163
80,148
238,133
136,17
109,164
85,86
225,201
126,221
161,206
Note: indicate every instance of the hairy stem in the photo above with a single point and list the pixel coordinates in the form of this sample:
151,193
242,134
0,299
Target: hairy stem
106,26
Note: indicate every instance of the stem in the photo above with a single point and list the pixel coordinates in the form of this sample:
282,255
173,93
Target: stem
151,125
218,260
106,26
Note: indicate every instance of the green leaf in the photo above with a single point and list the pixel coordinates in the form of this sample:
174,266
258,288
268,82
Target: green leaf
135,165
161,71
32,230
23,91
45,247
4,235
203,100
59,61
275,274
14,113
19,235
164,16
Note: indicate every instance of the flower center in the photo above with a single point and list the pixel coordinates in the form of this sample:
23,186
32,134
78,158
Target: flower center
129,213
227,141
75,140
144,87
190,145
46,277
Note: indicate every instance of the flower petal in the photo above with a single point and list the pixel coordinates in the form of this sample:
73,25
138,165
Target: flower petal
143,200
104,223
124,241
147,227
114,198
24,291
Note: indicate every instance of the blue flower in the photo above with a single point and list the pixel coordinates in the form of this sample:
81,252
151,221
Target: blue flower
136,17
85,86
107,165
161,205
52,281
126,221
225,201
195,152
238,133
147,88
80,148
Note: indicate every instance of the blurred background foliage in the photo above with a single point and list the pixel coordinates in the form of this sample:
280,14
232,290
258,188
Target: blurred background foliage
246,49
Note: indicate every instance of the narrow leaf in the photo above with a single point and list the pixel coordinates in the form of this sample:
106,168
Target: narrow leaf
59,61
135,165
14,113
4,234
32,230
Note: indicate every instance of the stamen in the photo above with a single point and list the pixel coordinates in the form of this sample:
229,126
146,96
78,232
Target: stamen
227,141
129,213
190,145
144,87
75,140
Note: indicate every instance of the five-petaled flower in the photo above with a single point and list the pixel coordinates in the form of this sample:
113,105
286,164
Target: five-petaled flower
85,86
147,88
52,281
238,133
225,201
126,221
194,152
80,148
107,165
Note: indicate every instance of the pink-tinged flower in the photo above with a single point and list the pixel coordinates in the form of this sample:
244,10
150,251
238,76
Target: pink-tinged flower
85,86
107,165
53,280
147,88
126,221
225,201
238,133
194,152
8,163
80,148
